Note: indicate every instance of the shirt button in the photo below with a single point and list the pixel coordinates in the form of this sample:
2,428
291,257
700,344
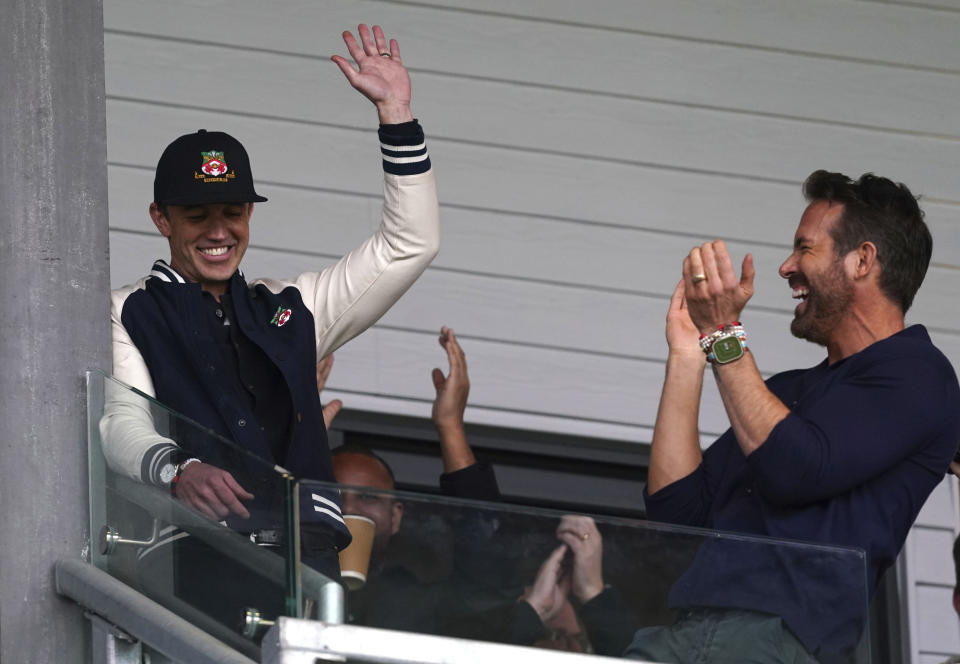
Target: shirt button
749,491
219,313
241,422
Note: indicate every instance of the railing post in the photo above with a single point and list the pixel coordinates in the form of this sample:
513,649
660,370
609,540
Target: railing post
111,645
332,601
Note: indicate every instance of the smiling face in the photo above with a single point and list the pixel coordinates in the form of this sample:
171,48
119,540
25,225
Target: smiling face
207,242
817,275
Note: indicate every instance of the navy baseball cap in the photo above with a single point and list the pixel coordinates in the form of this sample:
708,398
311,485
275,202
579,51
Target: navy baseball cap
205,167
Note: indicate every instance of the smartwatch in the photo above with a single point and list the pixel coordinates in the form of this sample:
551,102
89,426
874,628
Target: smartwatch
728,348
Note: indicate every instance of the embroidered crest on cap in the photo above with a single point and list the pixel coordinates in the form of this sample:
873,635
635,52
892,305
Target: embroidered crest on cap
214,168
213,163
281,317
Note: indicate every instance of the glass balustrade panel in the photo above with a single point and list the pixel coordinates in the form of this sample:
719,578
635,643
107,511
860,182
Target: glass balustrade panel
547,579
220,553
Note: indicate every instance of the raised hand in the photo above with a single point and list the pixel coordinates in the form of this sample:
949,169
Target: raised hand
682,334
212,491
551,587
453,389
381,78
580,534
447,415
323,372
714,295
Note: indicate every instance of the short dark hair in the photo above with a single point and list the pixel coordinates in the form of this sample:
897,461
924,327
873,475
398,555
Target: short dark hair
363,450
885,213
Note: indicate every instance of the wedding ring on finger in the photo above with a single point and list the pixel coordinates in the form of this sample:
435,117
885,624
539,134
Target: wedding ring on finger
584,536
385,55
697,278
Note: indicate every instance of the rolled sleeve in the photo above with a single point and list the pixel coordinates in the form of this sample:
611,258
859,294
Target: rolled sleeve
864,424
682,502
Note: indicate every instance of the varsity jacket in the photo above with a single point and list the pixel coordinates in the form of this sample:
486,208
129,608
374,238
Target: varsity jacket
163,345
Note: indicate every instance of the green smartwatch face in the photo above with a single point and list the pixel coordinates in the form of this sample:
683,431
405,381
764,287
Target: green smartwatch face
727,349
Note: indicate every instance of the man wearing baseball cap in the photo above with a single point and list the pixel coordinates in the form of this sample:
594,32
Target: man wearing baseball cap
239,356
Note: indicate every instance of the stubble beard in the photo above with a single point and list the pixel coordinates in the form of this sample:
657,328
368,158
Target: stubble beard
830,297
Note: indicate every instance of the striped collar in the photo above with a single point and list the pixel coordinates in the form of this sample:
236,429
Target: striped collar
162,271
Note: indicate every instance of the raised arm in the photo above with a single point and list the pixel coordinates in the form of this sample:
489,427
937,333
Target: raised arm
718,299
352,295
675,449
447,415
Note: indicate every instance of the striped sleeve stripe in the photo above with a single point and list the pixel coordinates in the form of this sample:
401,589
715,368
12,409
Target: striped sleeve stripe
400,157
154,459
399,150
325,501
402,160
405,167
330,513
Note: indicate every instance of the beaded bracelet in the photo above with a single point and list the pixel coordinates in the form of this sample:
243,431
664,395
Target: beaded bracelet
707,340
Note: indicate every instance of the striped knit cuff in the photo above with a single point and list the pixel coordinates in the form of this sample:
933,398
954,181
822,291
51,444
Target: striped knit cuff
404,149
154,460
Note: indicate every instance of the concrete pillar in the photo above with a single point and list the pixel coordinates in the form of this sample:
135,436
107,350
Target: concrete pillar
54,309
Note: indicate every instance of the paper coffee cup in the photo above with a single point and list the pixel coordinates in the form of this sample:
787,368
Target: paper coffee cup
355,559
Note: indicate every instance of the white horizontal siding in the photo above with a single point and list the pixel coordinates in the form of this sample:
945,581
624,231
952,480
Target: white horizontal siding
931,577
938,633
816,27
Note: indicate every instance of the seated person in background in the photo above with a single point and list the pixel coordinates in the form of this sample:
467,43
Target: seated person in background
602,621
844,453
395,598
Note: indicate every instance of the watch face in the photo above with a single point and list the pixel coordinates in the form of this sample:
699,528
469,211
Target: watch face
167,473
727,349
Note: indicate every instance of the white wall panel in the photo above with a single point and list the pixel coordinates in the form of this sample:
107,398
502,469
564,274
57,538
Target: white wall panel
937,621
821,27
930,575
510,115
627,130
613,63
940,510
932,550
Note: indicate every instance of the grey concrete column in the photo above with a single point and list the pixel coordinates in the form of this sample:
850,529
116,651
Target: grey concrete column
54,308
